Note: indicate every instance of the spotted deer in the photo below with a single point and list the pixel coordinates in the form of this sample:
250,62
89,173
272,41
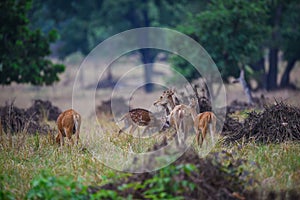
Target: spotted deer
166,98
201,122
140,117
68,123
179,117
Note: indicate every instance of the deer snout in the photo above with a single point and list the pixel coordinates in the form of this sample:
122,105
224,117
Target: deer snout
156,102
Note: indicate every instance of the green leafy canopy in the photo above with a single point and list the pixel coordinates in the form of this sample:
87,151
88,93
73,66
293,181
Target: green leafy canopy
23,51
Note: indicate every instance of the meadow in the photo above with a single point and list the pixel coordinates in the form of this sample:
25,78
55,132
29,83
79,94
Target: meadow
23,159
32,166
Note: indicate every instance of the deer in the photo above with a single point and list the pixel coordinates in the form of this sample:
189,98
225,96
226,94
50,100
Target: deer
166,98
201,122
68,123
140,117
177,118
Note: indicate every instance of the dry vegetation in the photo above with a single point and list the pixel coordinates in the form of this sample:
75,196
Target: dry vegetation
272,167
26,160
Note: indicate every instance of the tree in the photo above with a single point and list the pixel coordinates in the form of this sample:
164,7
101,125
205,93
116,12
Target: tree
291,40
93,21
232,32
235,33
23,51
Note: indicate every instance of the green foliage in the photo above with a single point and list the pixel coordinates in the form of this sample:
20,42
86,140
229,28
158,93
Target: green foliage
5,194
163,185
231,31
277,162
23,51
47,186
290,31
82,26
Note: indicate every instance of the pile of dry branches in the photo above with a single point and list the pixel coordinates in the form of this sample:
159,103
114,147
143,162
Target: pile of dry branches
31,120
277,123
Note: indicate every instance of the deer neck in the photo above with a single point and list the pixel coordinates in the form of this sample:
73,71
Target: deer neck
193,113
172,104
166,108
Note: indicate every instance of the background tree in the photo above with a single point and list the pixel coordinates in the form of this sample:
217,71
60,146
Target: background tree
235,33
231,31
23,51
290,33
83,25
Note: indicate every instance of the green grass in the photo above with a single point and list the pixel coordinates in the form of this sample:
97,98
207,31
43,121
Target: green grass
27,156
24,157
276,166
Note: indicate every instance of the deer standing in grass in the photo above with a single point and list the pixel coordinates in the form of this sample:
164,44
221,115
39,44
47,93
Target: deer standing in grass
140,117
178,117
201,122
68,123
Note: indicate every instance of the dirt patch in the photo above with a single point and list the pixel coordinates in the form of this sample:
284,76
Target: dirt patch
277,123
31,120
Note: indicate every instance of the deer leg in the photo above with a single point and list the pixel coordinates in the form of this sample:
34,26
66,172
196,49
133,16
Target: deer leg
77,136
57,138
181,132
211,133
145,130
214,125
133,128
126,125
204,131
177,132
61,138
198,135
69,132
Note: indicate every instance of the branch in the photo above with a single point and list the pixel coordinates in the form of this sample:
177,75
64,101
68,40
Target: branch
246,88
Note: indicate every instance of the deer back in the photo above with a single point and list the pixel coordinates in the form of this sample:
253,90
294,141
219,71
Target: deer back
140,116
69,120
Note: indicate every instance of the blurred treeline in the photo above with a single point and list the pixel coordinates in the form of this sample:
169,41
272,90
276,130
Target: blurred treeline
238,34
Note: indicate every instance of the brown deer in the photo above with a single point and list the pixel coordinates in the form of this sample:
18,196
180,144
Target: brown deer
68,123
201,122
179,116
166,98
140,117
180,119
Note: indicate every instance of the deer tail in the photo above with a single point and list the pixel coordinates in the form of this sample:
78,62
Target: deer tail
76,121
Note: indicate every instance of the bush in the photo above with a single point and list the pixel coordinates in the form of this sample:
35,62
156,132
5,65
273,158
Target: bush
218,176
47,186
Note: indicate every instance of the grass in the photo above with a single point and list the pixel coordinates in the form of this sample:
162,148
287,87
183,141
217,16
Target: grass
24,157
276,166
29,155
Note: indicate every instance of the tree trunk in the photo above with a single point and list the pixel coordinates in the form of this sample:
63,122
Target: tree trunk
147,55
273,55
148,58
259,66
285,79
246,87
273,69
